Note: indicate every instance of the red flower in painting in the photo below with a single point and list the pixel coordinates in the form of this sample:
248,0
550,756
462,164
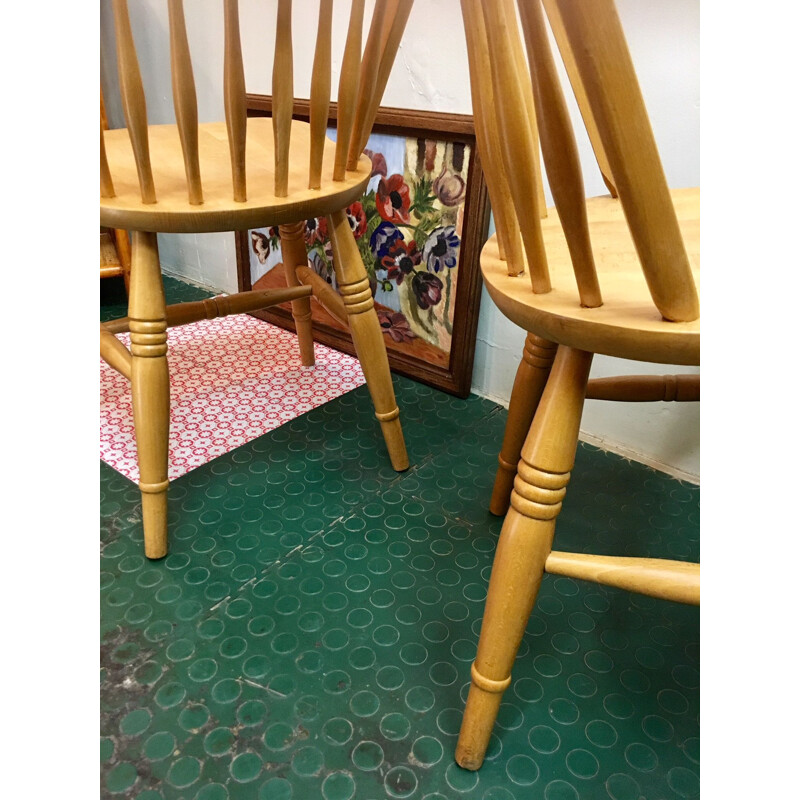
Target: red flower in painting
394,324
393,199
378,163
400,259
316,231
357,219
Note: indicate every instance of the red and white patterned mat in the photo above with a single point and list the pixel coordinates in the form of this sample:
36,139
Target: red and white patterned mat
231,380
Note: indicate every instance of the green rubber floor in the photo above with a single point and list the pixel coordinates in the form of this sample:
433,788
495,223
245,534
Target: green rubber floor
310,633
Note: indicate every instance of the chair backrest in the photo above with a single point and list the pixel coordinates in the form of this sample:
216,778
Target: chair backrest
361,85
516,106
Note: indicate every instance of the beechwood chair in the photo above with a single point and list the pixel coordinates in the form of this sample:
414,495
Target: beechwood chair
235,175
641,243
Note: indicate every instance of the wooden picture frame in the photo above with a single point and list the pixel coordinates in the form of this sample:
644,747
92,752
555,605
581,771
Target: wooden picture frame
438,356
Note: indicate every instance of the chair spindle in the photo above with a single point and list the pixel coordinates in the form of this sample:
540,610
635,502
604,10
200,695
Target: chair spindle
184,98
235,106
523,76
607,72
282,96
348,88
368,73
519,156
560,152
319,103
487,136
394,25
133,101
565,50
106,184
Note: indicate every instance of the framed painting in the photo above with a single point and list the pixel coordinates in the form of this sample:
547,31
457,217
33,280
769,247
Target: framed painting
419,227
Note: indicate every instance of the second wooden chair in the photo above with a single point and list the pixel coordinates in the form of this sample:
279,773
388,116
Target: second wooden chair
642,240
235,175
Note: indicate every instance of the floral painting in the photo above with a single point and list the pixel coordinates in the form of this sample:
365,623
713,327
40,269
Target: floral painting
408,227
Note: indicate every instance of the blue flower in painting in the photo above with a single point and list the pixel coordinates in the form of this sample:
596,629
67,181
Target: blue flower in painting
382,238
441,249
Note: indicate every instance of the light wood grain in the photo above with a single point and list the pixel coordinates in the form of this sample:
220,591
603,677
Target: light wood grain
122,243
282,96
531,378
488,138
516,146
348,88
678,581
588,242
514,43
627,325
391,35
235,105
645,388
351,277
565,50
150,388
214,307
256,173
548,456
368,73
184,98
604,62
294,253
324,293
219,212
115,354
320,93
560,153
106,182
133,100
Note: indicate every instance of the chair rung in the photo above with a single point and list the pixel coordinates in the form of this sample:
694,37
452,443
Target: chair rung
645,388
221,306
111,271
108,252
114,353
325,294
655,577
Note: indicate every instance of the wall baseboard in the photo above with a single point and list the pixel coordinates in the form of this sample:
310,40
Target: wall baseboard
183,279
619,449
641,458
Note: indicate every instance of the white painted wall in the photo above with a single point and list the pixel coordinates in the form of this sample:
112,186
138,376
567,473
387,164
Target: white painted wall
431,73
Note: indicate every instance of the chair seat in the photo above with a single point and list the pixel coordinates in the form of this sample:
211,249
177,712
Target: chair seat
627,325
172,213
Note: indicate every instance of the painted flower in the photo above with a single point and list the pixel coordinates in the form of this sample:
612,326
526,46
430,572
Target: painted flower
261,242
427,289
393,199
321,264
400,259
316,231
382,237
378,163
260,245
451,189
394,324
357,219
441,249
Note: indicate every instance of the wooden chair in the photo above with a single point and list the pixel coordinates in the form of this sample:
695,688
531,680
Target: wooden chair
234,175
640,243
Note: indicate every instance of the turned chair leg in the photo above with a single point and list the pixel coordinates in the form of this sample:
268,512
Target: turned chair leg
150,388
295,255
537,359
548,456
367,336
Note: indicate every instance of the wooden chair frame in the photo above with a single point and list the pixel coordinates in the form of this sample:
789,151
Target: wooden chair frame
139,198
515,109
